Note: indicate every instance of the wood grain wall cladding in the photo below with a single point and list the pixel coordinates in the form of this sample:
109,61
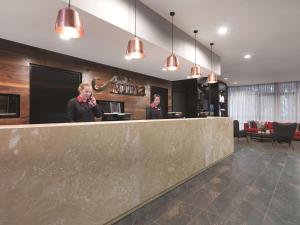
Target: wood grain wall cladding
15,60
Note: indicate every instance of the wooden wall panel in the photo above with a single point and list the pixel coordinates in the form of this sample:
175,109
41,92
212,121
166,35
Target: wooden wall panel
15,60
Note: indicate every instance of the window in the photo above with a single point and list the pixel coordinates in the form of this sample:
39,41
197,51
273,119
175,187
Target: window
265,102
9,105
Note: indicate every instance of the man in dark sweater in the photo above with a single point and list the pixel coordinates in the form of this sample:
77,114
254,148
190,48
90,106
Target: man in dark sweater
84,107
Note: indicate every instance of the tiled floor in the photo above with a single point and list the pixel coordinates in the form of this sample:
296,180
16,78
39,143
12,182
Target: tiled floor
258,185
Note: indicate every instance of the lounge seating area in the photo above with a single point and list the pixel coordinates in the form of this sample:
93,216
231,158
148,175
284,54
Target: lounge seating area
268,127
269,131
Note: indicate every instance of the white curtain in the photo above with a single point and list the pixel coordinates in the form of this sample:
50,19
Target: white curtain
265,102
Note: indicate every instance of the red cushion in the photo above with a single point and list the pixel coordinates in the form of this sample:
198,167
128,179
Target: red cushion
253,130
269,125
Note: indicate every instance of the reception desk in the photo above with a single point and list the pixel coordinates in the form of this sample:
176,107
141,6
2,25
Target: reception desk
95,173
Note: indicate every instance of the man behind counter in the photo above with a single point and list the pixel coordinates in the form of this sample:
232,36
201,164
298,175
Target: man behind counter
154,111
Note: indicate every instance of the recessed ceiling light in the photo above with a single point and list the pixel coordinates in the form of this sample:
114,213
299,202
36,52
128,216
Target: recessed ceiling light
247,56
223,30
235,82
225,78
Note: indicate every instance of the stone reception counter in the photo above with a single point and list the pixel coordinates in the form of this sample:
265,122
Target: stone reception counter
95,173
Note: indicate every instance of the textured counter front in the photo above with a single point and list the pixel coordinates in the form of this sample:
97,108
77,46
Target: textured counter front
90,174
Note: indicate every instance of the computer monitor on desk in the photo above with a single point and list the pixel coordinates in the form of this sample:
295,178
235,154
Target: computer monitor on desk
116,116
174,115
113,111
111,106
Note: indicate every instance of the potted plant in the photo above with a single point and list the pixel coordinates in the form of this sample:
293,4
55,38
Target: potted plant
263,129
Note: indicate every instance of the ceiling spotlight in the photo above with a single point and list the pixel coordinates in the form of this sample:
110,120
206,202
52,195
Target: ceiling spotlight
247,56
222,30
225,78
235,82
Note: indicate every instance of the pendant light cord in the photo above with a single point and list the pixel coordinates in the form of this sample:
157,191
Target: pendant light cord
135,18
195,49
69,4
211,44
172,34
209,97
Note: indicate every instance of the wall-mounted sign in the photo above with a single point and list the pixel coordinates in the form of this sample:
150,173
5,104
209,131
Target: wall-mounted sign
118,85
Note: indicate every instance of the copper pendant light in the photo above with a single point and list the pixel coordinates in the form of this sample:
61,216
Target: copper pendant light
172,62
68,24
195,70
212,77
135,48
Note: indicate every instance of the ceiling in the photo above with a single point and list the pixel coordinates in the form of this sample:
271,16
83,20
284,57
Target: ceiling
32,22
268,30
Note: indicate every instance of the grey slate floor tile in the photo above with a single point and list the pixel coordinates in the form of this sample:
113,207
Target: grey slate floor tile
258,185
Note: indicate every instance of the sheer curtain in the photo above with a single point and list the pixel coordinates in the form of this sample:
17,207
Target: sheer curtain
265,102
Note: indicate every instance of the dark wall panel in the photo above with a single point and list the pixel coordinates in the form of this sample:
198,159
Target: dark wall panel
50,90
